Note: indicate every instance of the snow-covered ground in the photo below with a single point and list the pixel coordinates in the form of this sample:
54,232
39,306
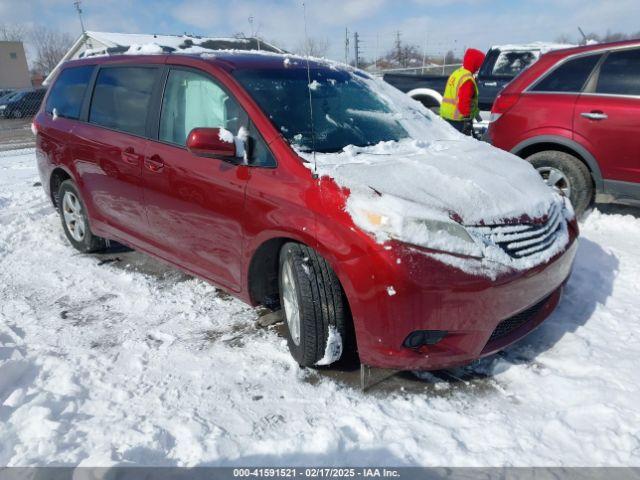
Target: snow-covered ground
113,359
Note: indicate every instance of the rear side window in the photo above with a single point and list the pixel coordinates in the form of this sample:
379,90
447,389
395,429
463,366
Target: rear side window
620,74
121,98
568,77
68,92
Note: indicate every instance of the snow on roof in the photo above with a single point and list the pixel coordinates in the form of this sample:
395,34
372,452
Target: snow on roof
543,47
130,43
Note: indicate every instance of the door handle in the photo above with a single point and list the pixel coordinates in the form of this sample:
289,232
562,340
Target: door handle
154,163
595,115
490,84
129,156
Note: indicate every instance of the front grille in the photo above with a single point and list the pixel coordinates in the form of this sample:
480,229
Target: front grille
507,326
523,239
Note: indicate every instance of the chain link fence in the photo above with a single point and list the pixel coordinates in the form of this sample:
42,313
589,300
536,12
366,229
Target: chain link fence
17,108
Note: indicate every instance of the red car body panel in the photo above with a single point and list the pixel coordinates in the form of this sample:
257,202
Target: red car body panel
212,218
610,148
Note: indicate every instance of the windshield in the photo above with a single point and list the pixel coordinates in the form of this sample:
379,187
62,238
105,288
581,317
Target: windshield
11,97
346,111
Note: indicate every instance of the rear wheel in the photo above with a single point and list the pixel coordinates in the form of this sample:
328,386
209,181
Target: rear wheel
430,102
75,221
314,306
17,114
566,174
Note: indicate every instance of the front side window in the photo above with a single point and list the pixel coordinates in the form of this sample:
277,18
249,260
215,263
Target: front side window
121,98
620,74
193,100
67,93
569,77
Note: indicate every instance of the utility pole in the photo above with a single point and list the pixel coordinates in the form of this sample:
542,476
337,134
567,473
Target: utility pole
399,49
356,47
346,46
424,52
377,49
77,4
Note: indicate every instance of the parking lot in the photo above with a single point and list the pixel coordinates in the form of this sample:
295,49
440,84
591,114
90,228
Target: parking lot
15,134
114,358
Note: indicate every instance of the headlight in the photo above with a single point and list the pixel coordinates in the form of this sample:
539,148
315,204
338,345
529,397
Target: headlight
441,235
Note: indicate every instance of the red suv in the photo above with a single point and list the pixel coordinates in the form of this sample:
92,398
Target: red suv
575,115
310,187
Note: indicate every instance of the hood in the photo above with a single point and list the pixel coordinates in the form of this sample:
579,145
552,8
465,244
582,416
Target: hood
466,180
473,60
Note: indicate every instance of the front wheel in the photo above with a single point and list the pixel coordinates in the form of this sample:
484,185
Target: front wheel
75,221
314,306
567,175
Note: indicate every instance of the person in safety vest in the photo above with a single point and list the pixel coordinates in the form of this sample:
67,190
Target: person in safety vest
460,100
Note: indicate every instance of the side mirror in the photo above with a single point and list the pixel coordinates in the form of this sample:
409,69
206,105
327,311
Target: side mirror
212,142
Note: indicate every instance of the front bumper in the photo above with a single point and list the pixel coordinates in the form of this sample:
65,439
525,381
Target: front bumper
402,289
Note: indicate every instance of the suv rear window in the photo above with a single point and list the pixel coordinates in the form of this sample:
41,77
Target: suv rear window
121,98
68,91
511,63
568,77
620,74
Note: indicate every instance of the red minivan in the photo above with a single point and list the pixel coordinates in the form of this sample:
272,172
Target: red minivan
311,187
575,115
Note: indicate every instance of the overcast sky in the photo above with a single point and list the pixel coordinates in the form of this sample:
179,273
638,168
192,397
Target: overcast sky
439,24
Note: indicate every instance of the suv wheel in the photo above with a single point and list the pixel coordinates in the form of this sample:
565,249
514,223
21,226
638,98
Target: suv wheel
314,306
568,175
75,221
17,114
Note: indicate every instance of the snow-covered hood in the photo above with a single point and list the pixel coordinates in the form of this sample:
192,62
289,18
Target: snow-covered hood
463,179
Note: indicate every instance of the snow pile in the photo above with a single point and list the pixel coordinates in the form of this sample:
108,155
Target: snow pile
109,362
420,190
333,348
144,49
226,136
542,47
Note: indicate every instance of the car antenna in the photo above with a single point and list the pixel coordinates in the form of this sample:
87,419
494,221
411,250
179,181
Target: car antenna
313,132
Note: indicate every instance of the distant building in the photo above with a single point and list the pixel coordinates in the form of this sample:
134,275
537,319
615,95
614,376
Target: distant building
106,43
14,72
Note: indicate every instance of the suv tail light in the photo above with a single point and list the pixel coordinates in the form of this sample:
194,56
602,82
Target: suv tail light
502,104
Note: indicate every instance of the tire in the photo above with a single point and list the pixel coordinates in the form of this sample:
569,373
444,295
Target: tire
579,184
308,280
430,103
17,114
75,221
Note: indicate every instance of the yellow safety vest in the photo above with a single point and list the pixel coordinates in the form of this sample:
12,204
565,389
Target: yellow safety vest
449,108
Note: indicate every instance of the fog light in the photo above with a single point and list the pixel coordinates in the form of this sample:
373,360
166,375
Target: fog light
423,337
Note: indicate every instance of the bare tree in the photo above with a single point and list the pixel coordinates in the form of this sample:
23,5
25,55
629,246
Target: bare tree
50,46
12,33
315,47
595,37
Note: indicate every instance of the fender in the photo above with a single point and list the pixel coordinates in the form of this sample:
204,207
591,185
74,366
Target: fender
426,91
589,159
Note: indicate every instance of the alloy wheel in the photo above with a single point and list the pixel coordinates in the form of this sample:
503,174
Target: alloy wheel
73,216
556,179
290,300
